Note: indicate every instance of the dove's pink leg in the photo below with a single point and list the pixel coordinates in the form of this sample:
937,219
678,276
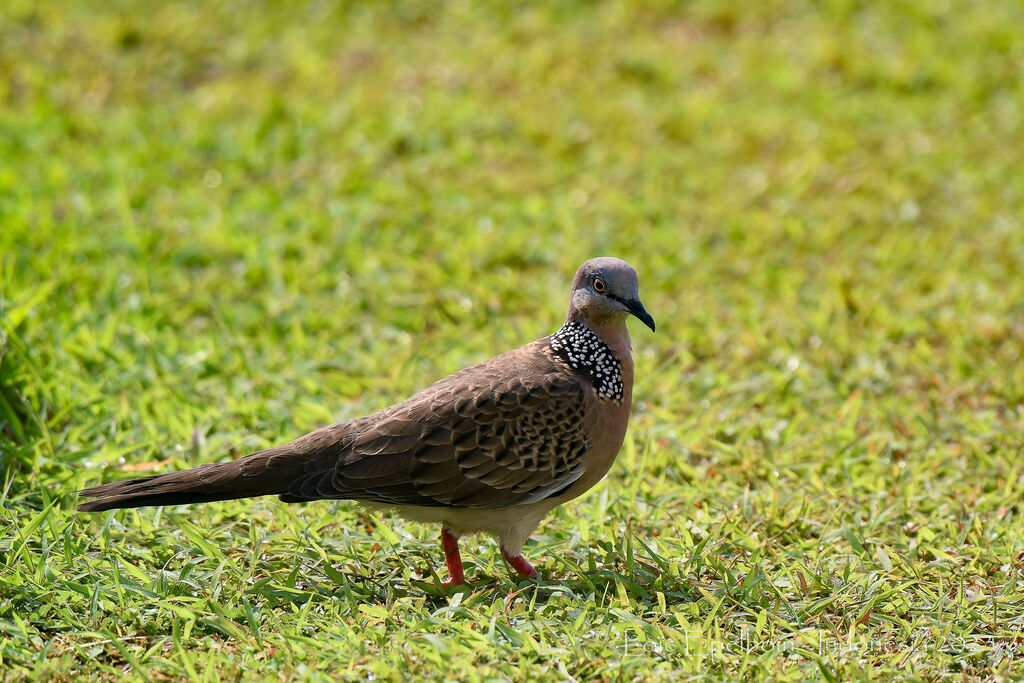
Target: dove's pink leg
450,543
519,563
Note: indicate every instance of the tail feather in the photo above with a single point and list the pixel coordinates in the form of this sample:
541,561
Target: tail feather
260,474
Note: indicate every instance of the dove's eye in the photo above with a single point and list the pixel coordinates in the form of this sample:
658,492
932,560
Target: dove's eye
599,285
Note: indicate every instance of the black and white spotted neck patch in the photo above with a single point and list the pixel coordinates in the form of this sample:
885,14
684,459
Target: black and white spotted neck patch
581,349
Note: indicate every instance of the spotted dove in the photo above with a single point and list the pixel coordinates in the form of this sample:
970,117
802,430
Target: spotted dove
491,448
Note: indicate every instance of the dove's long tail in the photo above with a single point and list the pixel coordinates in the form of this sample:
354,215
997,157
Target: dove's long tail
265,473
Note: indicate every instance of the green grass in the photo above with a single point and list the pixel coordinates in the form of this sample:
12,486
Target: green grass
222,226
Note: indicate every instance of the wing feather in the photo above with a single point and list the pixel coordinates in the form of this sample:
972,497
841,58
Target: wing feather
491,436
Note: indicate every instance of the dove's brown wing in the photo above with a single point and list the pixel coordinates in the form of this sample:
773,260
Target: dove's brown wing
490,436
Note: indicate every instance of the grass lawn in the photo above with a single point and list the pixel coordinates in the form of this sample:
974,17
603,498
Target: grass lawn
224,225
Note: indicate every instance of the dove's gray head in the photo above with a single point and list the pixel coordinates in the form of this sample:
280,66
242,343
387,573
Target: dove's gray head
606,289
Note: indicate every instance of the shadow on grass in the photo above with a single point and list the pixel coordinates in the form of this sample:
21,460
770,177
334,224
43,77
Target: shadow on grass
20,428
604,587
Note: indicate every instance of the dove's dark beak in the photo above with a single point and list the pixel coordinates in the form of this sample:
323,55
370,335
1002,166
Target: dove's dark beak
637,309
